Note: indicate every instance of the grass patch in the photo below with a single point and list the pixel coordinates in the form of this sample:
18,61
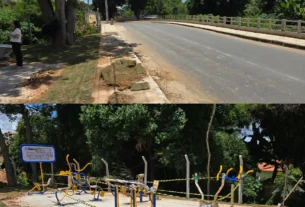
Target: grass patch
18,189
84,49
2,204
80,60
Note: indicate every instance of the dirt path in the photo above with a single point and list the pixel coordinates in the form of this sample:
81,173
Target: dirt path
177,87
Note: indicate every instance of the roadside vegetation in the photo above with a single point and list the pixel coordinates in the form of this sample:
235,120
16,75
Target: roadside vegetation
121,134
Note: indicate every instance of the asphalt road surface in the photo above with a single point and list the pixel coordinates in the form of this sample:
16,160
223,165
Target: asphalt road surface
233,70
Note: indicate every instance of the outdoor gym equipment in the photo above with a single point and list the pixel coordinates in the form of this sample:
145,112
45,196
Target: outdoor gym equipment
131,189
80,181
40,188
202,202
234,179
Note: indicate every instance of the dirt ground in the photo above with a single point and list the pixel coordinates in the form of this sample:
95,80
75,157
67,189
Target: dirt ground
38,85
177,87
48,200
32,88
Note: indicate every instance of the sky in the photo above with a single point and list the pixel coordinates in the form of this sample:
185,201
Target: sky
6,125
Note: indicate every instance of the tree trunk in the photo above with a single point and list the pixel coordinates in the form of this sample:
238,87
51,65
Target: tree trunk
10,174
29,139
71,19
208,149
61,35
30,30
47,10
151,163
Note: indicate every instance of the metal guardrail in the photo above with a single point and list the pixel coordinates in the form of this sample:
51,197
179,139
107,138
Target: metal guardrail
279,25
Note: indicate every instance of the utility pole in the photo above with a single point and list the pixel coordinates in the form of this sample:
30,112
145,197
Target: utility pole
106,9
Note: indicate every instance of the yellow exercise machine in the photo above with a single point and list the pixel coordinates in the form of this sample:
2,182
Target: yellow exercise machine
232,179
40,188
80,181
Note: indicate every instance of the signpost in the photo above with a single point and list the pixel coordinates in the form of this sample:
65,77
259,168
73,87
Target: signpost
37,153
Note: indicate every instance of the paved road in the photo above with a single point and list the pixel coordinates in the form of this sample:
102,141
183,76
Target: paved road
233,70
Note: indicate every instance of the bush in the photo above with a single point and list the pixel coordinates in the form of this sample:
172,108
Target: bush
23,179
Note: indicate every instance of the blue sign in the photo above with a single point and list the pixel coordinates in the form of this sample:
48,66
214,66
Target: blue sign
37,153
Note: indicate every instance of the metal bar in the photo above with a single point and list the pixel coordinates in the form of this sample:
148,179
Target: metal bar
145,172
107,172
187,176
240,189
78,168
52,172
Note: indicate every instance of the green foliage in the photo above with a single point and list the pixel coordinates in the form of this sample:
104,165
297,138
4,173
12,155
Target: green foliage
294,175
166,7
23,180
290,9
252,9
146,128
252,189
229,148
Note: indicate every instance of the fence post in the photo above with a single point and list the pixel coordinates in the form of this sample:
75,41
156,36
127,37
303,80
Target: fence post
283,25
212,19
145,170
239,21
270,24
107,172
258,23
231,20
224,20
299,26
187,176
240,189
218,19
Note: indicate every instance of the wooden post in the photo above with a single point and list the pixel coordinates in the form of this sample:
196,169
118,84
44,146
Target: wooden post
248,22
239,21
224,20
231,20
232,195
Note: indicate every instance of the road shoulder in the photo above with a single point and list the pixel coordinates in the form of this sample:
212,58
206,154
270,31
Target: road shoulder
112,49
274,39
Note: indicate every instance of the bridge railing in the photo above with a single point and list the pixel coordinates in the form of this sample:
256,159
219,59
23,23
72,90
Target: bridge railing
284,27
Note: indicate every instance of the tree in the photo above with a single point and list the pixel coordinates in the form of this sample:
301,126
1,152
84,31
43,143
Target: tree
294,174
119,132
12,181
62,32
137,6
112,6
10,111
208,149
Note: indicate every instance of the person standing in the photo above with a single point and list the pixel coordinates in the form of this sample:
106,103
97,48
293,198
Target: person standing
15,39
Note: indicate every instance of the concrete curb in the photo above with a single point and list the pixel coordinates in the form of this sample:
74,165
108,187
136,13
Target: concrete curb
275,42
158,93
